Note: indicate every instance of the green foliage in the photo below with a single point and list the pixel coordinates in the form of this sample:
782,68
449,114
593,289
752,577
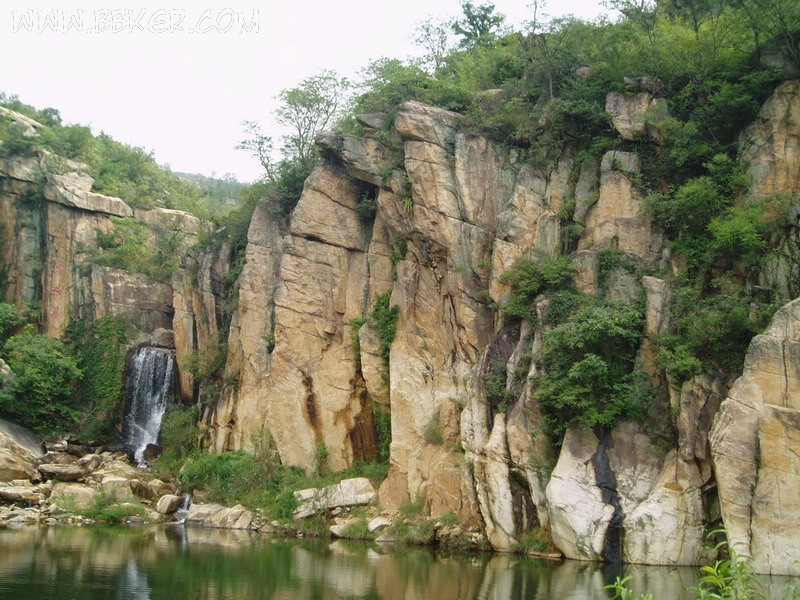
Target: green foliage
99,350
383,321
40,392
15,139
358,529
133,246
533,541
229,477
529,278
105,509
589,362
495,385
432,434
478,24
10,319
712,328
399,249
383,427
621,591
179,437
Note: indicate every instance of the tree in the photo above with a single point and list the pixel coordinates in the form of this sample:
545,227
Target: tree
258,145
478,26
434,38
38,396
310,108
644,14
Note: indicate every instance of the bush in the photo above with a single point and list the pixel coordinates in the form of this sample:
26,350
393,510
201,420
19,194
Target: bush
99,350
39,394
529,278
589,361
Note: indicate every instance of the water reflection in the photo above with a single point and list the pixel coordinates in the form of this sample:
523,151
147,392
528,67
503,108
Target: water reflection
173,563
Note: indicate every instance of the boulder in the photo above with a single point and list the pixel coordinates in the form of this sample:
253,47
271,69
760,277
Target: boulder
12,466
72,494
16,438
163,338
168,504
70,472
21,494
348,492
378,524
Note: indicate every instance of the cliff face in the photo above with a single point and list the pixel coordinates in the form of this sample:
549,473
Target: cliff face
454,211
51,222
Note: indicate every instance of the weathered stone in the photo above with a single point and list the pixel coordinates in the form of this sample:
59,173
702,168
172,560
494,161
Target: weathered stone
168,504
132,297
72,494
13,466
378,524
235,517
170,219
163,338
376,120
198,512
70,190
615,220
348,492
21,494
753,444
57,472
19,439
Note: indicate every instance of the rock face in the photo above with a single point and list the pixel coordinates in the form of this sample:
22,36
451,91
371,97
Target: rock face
311,374
348,492
754,447
50,221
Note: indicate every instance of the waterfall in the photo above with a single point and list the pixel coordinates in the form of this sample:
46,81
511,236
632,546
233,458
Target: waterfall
148,383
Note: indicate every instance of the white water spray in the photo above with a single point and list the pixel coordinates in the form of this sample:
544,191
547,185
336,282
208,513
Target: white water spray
147,387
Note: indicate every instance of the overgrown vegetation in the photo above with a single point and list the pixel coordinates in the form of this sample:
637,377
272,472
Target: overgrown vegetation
99,350
118,169
39,395
590,364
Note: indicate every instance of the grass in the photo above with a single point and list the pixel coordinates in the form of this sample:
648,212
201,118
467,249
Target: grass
257,481
104,509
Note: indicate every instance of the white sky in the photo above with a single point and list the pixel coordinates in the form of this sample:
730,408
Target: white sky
181,79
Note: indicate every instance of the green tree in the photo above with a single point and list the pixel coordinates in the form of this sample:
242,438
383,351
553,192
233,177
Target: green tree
589,362
39,394
478,26
308,109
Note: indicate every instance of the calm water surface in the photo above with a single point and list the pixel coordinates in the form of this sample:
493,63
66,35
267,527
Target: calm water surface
173,563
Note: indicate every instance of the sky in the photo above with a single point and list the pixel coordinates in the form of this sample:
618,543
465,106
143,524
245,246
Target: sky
179,79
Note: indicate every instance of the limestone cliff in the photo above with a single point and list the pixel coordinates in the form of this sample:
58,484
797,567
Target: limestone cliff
306,369
51,221
454,211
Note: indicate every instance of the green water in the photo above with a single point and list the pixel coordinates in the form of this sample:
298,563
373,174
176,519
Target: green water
173,563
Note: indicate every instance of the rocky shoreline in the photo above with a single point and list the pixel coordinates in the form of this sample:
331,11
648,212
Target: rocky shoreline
64,482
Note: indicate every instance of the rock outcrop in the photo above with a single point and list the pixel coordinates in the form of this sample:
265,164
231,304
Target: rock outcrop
344,316
754,448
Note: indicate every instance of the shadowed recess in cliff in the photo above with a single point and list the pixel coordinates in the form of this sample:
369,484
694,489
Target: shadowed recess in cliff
148,385
607,482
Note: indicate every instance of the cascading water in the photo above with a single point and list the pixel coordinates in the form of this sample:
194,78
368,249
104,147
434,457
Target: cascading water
148,384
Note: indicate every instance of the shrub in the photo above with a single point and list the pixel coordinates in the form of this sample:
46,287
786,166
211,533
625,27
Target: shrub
529,278
99,351
39,394
589,362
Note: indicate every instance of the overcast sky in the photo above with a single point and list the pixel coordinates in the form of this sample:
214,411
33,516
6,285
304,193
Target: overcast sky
179,78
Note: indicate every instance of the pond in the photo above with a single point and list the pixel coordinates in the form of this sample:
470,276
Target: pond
176,563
